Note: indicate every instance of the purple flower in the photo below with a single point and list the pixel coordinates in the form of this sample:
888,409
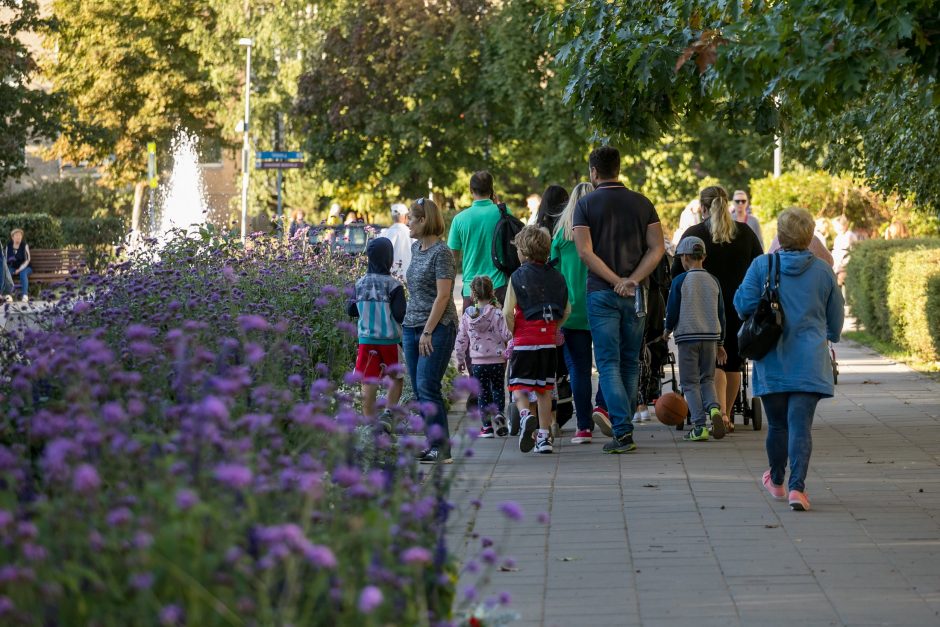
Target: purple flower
186,499
80,307
369,599
505,598
6,519
467,385
512,510
171,615
416,555
119,516
320,556
252,322
469,594
6,605
233,475
543,518
85,480
141,581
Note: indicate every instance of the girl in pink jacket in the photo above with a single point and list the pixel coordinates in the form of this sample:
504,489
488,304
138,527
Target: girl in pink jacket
483,330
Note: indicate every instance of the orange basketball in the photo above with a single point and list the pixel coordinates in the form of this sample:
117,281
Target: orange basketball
671,409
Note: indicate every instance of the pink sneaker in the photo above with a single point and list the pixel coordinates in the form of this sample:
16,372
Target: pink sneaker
582,436
798,501
602,420
776,491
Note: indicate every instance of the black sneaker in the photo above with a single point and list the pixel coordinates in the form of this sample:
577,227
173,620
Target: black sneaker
528,425
499,422
422,453
436,456
623,444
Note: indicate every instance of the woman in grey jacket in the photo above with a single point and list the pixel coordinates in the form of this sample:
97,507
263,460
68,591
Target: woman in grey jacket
797,372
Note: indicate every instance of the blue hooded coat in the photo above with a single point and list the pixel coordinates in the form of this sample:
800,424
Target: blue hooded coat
813,313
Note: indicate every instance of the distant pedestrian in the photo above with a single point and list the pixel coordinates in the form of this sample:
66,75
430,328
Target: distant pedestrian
846,238
536,308
792,378
401,239
696,313
483,335
18,261
730,246
690,216
380,307
430,325
471,237
297,223
576,330
619,237
741,208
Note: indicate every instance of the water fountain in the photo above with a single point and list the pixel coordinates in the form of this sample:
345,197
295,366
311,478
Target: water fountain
183,204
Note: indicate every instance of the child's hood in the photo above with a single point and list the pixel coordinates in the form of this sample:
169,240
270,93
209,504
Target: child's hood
380,253
482,320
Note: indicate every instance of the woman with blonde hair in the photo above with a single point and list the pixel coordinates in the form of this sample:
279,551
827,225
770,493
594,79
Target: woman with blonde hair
429,329
578,347
796,373
730,247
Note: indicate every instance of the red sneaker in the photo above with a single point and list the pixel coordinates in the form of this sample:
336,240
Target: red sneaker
582,436
775,490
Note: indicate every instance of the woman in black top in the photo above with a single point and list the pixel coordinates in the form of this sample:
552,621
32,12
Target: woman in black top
729,249
554,200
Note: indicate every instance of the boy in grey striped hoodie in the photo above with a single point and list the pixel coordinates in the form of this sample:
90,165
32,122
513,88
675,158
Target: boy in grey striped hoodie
695,312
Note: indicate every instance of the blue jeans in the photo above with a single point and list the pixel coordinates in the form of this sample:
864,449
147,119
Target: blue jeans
578,358
789,420
618,340
24,280
427,375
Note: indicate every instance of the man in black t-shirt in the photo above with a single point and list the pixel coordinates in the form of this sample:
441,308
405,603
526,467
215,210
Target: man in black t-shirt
619,238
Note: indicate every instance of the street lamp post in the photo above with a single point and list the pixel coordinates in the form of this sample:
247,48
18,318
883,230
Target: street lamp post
247,42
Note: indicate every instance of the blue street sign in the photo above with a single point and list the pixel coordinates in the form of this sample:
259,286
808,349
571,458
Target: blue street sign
279,156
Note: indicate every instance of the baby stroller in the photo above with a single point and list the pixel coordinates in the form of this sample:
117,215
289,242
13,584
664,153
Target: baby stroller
750,409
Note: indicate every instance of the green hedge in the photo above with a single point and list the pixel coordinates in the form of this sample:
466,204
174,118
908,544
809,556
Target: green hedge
893,288
40,230
95,236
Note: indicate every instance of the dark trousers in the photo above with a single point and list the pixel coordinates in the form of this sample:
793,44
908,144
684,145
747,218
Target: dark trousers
492,399
577,352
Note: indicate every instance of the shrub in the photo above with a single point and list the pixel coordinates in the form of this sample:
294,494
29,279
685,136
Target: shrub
96,236
669,213
180,447
41,230
894,290
68,198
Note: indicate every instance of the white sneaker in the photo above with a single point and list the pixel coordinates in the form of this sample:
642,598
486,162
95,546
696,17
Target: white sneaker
25,298
8,298
645,415
543,444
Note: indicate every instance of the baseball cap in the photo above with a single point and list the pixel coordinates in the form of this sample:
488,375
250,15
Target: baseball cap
691,245
399,209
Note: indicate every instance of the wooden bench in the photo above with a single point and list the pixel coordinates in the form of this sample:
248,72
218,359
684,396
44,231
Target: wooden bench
54,265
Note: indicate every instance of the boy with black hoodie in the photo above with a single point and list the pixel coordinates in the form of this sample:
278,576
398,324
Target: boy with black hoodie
380,307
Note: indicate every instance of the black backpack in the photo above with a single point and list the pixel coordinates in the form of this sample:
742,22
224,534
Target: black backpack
505,257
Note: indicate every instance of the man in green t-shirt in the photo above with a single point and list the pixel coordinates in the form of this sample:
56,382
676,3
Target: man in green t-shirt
471,237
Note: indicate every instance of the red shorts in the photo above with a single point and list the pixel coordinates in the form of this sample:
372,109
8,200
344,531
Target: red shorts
373,359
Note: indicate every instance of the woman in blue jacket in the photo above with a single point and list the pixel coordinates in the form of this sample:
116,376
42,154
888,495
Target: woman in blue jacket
797,372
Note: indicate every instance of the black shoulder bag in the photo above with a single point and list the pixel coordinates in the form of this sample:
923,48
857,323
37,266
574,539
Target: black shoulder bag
761,332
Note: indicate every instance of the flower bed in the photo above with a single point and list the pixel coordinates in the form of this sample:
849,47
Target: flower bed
180,449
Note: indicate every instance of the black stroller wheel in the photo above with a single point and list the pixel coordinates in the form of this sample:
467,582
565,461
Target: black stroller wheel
757,409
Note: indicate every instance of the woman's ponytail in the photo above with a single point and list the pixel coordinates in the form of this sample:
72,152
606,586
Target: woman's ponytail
721,225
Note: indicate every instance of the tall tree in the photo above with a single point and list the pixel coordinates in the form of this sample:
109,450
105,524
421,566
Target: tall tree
27,111
130,74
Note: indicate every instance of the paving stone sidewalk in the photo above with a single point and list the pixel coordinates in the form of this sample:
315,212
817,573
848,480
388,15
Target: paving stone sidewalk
682,533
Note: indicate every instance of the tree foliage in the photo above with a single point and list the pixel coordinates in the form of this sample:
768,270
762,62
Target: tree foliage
130,74
636,68
27,111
